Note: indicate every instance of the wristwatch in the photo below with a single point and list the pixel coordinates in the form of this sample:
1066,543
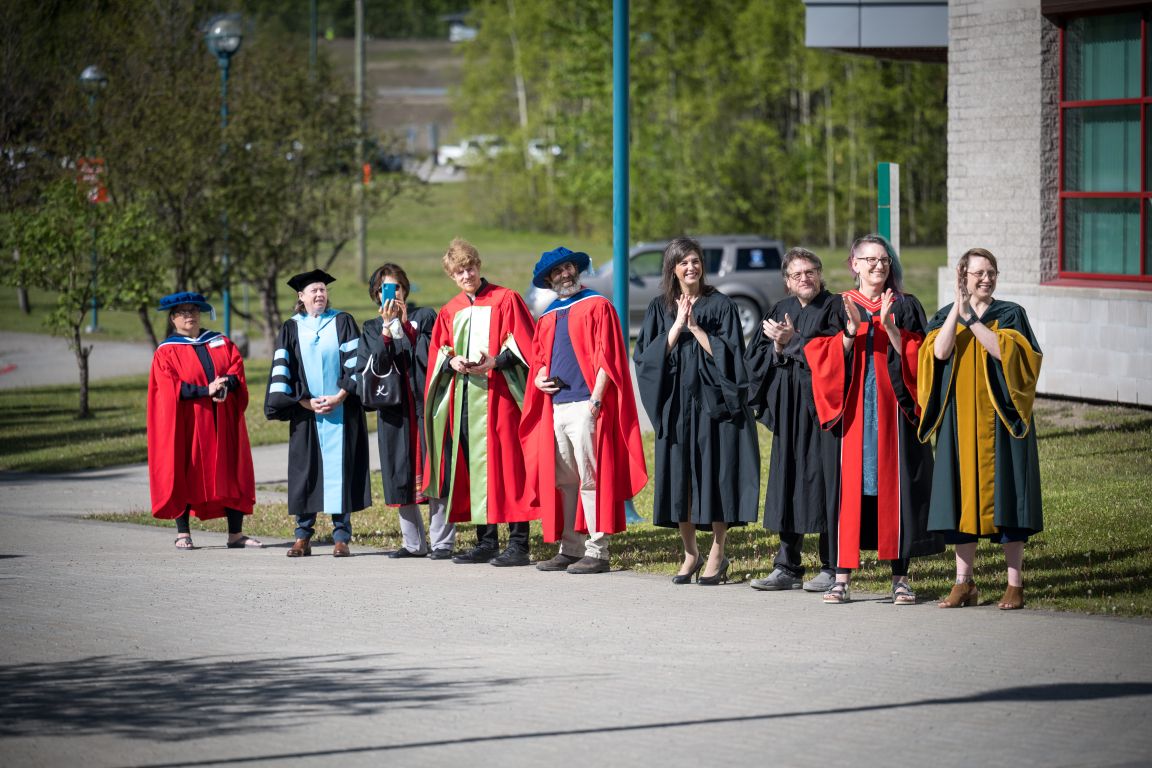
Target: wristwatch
595,403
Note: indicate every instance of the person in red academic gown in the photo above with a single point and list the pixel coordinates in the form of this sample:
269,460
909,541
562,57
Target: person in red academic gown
863,358
199,459
475,388
582,447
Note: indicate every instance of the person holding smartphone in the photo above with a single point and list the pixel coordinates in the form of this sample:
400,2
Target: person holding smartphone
581,434
400,337
476,382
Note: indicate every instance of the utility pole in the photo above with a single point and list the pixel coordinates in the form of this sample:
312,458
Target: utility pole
361,233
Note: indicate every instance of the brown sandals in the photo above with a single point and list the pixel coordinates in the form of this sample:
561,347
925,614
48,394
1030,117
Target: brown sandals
960,596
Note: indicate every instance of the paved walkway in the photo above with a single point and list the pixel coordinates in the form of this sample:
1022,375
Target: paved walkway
120,651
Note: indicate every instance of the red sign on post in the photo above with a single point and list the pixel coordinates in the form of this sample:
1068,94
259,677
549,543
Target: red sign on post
89,172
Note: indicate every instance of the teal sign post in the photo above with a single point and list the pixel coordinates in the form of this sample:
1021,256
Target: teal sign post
888,202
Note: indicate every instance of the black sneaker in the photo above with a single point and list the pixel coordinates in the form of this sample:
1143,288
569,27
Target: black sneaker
474,555
440,554
511,557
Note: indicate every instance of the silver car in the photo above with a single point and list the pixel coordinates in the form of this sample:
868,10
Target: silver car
745,267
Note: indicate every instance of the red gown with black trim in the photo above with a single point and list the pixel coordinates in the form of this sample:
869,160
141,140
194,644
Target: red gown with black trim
198,450
904,465
621,472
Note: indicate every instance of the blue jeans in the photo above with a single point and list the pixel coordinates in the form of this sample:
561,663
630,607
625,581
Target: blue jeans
341,527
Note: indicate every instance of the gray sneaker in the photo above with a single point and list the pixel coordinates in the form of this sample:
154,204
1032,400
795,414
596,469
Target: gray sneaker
776,581
822,582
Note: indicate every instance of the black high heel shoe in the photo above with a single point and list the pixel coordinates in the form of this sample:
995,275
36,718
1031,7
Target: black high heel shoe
686,578
719,577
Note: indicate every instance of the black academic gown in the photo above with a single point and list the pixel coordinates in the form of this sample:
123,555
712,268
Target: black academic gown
287,385
707,453
400,429
801,489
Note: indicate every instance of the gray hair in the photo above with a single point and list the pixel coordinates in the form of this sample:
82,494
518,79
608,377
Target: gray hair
801,254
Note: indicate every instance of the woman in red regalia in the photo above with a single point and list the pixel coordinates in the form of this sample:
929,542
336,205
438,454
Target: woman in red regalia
863,360
199,459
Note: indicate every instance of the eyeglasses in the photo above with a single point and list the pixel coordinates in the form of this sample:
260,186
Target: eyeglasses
187,312
874,260
984,273
808,273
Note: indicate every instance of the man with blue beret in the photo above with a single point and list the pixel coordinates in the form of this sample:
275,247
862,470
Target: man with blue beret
582,450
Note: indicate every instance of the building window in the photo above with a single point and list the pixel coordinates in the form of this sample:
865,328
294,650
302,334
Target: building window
1105,228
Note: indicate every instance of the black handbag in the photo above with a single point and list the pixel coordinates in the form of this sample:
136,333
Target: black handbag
380,390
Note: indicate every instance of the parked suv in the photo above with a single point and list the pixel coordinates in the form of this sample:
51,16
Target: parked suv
745,267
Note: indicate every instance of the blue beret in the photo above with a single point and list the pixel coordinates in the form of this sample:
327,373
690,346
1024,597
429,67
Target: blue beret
555,258
173,300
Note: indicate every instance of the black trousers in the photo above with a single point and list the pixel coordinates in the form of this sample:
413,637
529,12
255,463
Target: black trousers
488,537
791,548
235,521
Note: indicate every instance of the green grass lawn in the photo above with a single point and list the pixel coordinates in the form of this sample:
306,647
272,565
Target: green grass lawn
1096,465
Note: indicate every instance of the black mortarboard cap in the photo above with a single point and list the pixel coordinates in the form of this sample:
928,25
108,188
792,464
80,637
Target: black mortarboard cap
304,279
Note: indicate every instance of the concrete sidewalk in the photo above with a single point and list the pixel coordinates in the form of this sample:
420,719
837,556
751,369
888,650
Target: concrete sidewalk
119,651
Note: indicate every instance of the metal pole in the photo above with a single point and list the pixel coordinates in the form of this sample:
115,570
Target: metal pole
620,130
361,234
620,236
94,326
226,294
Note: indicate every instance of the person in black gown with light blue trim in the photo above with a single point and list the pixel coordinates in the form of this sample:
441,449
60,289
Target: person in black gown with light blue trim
312,385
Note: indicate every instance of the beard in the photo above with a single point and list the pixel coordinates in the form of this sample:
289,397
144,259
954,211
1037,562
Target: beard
564,291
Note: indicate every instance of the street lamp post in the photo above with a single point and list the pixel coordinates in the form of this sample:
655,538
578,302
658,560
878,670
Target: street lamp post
223,39
93,80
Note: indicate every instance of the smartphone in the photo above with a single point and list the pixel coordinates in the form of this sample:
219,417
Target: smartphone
387,292
556,381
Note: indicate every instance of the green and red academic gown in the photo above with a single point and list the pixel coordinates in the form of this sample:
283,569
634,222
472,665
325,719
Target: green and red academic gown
327,453
480,472
198,451
598,343
980,409
870,387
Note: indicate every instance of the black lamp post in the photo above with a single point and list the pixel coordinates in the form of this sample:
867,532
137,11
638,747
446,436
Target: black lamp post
93,80
223,38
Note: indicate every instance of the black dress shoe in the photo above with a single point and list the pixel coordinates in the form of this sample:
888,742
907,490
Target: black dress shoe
511,557
474,555
404,552
440,554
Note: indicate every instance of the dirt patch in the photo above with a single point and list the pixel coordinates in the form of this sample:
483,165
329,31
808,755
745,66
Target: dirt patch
1054,414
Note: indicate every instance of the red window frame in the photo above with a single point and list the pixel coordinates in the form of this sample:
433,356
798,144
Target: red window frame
1144,194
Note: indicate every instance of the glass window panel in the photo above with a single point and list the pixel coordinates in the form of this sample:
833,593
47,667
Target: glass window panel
1102,235
1102,149
1102,58
713,258
757,258
648,264
1148,237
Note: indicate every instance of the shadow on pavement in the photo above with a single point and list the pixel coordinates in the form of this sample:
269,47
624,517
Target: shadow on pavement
1052,692
198,698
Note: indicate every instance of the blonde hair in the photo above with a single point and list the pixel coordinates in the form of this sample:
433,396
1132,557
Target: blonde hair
460,254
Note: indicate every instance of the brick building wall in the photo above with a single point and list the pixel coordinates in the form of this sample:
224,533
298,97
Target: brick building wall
1002,186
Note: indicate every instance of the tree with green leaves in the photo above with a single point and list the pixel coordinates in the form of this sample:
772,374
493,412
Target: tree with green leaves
55,244
735,124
